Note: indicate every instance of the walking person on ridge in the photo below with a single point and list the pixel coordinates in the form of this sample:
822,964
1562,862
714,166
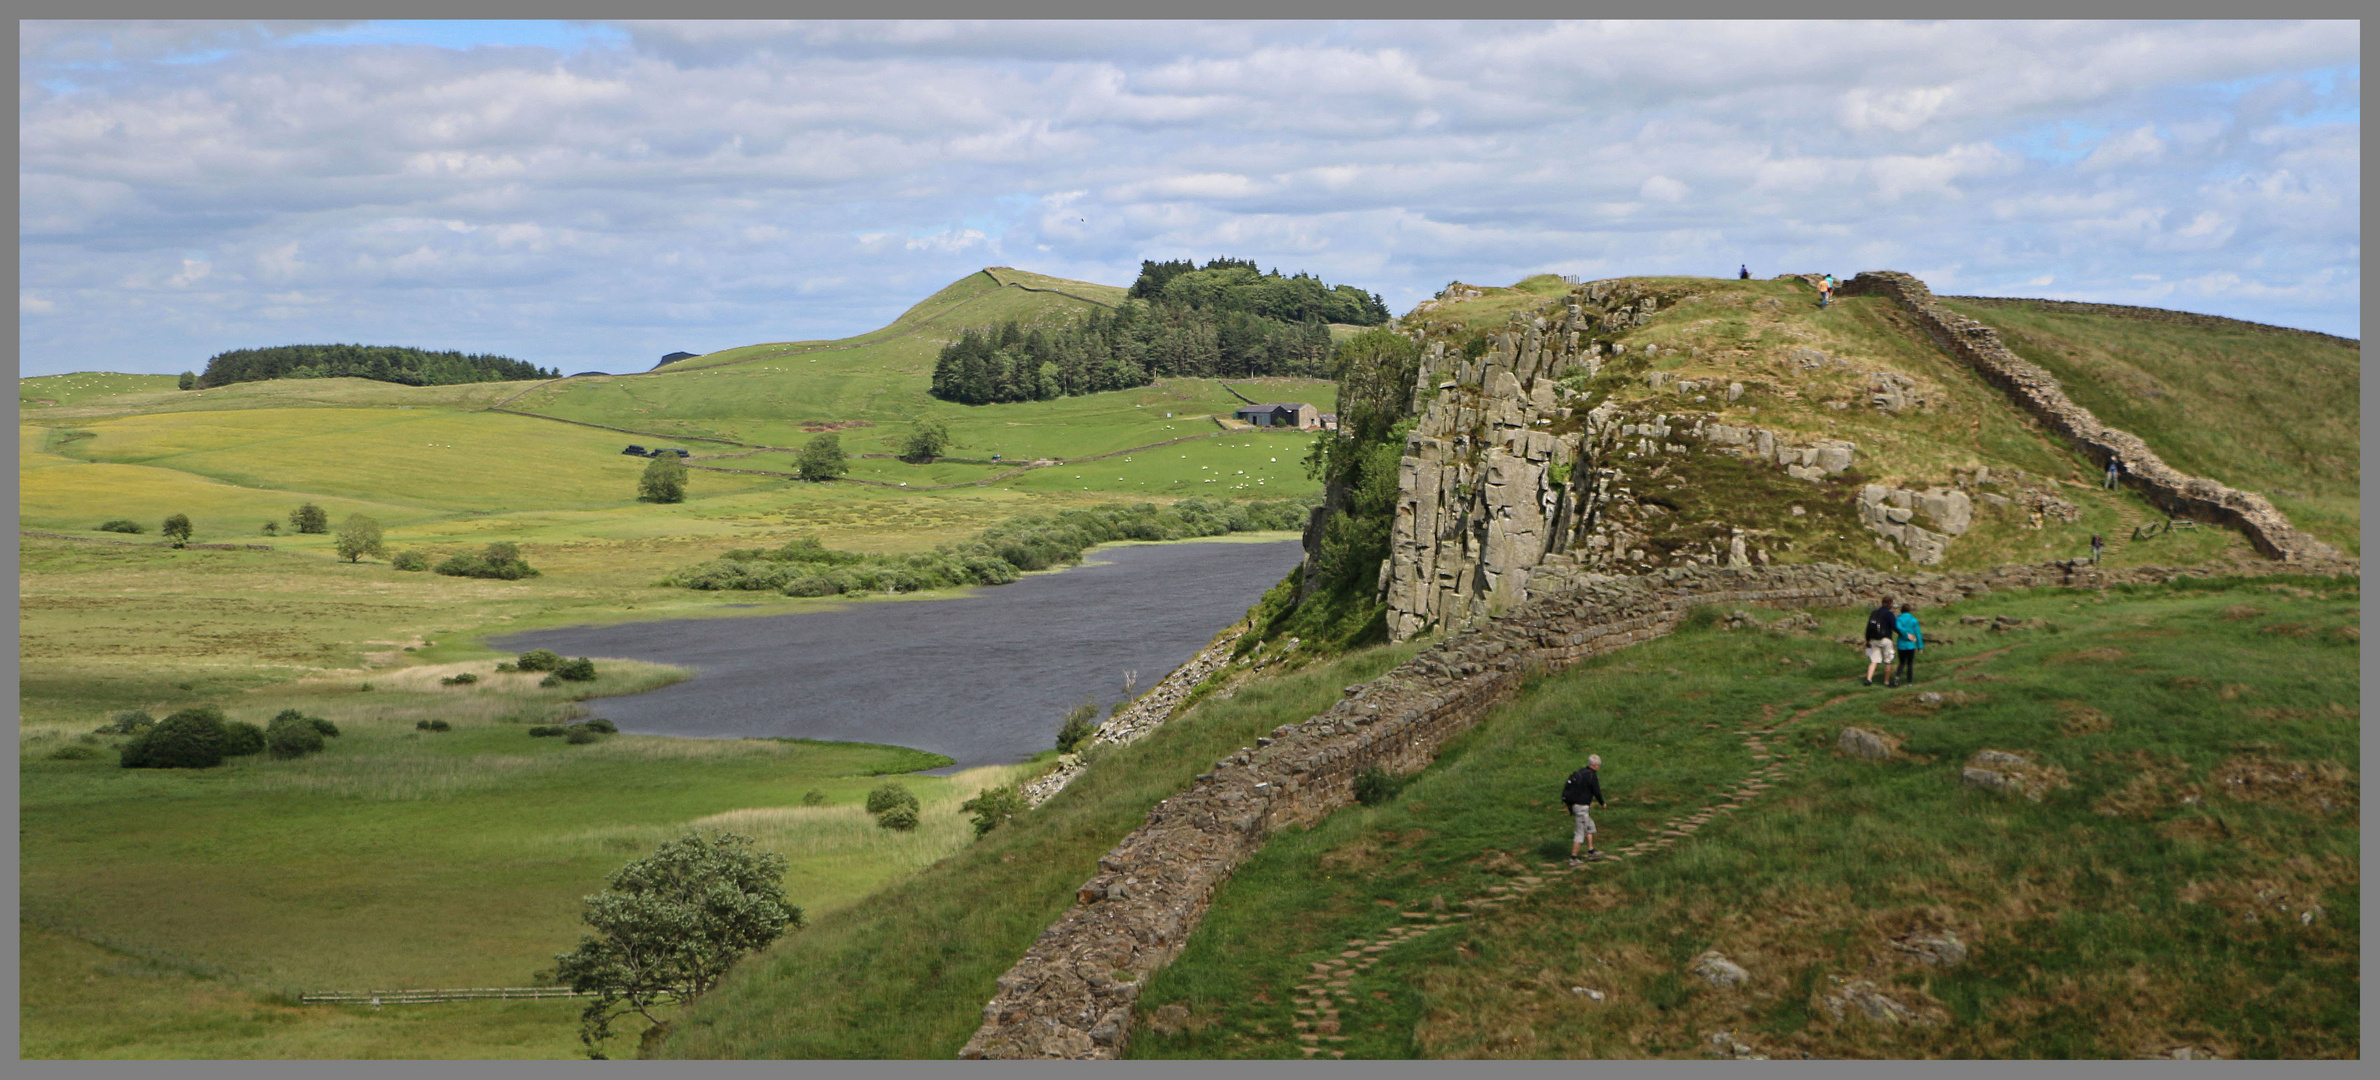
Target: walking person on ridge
2096,545
1909,638
1743,273
2115,471
1582,788
1882,625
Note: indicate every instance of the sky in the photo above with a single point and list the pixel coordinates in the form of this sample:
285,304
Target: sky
590,196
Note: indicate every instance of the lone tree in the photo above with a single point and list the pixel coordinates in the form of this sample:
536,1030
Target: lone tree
927,439
188,381
177,529
359,536
822,458
664,480
671,925
310,518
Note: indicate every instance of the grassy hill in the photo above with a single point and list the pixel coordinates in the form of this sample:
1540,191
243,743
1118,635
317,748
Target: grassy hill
2268,411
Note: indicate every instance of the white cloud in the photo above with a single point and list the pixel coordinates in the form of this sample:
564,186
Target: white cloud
29,304
765,181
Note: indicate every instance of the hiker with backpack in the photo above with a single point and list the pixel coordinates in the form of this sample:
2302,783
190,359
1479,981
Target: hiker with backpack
1882,626
2097,545
2115,471
1582,788
1908,638
1743,273
1826,289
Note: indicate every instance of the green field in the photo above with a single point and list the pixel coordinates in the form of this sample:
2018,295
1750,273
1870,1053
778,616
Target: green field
368,866
2155,902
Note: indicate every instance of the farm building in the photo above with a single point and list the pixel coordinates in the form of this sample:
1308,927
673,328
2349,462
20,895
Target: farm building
1289,414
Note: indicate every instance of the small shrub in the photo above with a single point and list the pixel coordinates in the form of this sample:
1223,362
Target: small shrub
272,528
124,525
76,752
540,660
1376,785
464,679
813,797
993,807
540,731
286,739
323,726
602,725
1078,726
549,681
579,736
188,739
432,725
898,819
241,739
128,722
579,670
409,560
889,796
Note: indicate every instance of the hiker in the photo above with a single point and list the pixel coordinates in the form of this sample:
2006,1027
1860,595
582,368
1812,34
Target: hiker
1744,272
1826,288
2115,470
2096,545
1583,788
1882,625
1909,639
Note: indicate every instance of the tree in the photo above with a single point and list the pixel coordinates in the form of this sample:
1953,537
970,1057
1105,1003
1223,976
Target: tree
993,807
664,481
189,381
927,439
310,518
671,925
359,536
822,458
177,529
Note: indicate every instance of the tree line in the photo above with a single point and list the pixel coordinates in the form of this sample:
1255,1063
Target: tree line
1222,320
383,363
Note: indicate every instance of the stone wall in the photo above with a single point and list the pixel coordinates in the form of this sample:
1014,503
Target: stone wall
2037,392
1072,994
2145,314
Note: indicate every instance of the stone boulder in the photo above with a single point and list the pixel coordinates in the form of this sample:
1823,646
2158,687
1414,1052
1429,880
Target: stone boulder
1933,948
1862,743
2012,774
1718,970
1866,999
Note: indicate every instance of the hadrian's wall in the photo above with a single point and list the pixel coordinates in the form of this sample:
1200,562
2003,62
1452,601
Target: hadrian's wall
1072,994
2038,392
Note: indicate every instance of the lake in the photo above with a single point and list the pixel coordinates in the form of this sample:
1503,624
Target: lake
984,678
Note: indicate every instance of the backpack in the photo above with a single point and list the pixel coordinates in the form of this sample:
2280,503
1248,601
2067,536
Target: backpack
1574,790
1881,625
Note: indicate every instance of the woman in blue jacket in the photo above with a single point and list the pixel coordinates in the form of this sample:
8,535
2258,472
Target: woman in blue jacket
1907,639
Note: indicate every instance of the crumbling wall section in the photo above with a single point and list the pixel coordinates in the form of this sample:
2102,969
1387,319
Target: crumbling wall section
2037,392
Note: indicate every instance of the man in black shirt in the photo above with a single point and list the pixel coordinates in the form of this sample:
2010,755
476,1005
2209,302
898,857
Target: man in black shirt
1583,788
1882,623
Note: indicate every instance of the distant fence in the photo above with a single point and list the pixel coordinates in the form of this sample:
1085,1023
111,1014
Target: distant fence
417,997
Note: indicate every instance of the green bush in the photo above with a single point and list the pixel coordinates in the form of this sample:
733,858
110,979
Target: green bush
890,796
409,560
188,739
507,667
540,731
602,725
579,736
579,670
124,525
241,738
549,681
310,518
540,660
76,752
432,725
128,722
287,739
993,807
464,679
898,819
813,797
1376,785
1078,727
323,726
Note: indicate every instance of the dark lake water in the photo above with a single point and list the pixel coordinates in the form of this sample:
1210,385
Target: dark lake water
985,679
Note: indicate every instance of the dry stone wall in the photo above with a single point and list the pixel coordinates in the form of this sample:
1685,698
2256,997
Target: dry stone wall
1072,994
2037,392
